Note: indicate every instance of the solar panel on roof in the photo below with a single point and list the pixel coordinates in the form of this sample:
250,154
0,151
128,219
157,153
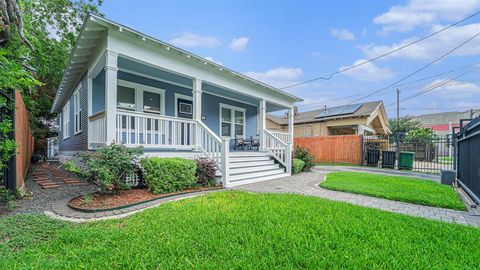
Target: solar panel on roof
340,110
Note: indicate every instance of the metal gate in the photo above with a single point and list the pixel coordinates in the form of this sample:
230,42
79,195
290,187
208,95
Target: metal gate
7,113
430,155
468,171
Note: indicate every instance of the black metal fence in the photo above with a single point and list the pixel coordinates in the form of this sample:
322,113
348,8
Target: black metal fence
468,171
431,155
7,112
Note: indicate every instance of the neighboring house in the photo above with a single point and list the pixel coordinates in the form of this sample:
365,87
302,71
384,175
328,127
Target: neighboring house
443,123
124,87
367,118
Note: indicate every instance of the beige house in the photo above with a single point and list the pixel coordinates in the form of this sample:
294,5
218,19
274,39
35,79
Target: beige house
367,118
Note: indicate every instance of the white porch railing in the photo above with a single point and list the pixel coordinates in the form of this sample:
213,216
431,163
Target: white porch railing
141,129
283,136
96,130
276,147
209,143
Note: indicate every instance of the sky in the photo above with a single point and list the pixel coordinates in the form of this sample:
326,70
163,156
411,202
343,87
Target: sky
287,42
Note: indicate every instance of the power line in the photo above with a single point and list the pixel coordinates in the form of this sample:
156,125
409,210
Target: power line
420,69
437,85
394,86
382,55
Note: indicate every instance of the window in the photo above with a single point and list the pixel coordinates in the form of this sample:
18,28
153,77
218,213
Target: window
125,97
232,121
185,108
151,102
66,120
78,111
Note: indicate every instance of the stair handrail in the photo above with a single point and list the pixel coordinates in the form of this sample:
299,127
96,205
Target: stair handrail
276,148
210,144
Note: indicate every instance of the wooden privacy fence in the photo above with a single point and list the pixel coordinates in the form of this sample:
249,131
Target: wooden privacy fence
333,149
24,141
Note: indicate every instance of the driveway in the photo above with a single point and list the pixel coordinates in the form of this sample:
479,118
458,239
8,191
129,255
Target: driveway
307,184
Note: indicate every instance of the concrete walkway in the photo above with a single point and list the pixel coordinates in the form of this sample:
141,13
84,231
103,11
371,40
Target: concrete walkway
307,184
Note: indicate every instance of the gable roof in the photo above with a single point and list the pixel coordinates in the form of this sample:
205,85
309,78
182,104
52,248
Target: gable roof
364,110
85,47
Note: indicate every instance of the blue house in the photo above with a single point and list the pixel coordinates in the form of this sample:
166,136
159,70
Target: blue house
124,87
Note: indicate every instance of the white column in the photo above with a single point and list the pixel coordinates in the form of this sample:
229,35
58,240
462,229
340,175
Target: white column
289,150
262,125
225,160
110,95
197,109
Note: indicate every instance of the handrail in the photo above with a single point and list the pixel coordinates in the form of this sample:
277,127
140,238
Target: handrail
276,147
215,136
283,136
156,116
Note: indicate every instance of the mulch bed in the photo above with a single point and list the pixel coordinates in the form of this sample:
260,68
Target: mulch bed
105,202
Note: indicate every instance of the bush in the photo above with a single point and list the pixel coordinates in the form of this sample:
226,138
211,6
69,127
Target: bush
297,165
205,172
305,156
109,165
71,167
8,198
164,175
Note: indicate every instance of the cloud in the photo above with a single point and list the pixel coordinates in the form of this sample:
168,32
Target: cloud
213,60
239,44
403,18
368,72
278,77
431,47
342,34
454,89
194,40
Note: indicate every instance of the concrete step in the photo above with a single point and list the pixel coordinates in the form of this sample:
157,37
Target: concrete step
255,175
255,180
252,169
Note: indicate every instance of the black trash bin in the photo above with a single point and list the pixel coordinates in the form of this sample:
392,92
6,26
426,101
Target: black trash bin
388,159
373,155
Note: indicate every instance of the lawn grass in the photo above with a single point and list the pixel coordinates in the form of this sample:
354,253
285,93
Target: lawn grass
398,188
237,230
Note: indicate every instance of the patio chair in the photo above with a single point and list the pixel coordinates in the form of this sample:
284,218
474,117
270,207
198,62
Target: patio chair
255,142
241,142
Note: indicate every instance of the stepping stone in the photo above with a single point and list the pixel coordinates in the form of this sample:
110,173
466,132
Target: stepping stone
71,182
79,184
51,186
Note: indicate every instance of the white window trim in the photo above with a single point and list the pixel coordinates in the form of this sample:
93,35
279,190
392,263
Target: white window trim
232,117
77,111
66,120
180,96
139,88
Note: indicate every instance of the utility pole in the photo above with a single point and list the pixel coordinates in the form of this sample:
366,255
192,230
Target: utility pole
398,109
471,113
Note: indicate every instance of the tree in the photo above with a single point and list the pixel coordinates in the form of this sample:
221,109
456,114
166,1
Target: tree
420,134
34,52
403,124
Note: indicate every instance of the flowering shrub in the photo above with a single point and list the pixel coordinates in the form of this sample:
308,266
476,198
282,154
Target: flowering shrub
205,171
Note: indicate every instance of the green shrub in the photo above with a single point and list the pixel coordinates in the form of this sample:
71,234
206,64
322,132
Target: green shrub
109,165
297,165
71,167
305,156
163,175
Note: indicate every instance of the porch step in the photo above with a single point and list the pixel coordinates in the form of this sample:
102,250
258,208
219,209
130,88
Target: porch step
259,179
248,154
247,164
236,159
252,169
255,175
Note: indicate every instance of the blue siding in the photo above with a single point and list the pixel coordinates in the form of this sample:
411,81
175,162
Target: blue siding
98,93
170,89
211,111
79,141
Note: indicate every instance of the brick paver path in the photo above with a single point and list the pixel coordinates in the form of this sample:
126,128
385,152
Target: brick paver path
50,176
307,184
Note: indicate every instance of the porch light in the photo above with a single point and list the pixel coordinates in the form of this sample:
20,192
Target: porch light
204,117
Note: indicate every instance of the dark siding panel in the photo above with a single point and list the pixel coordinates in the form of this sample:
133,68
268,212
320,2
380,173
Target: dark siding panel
77,142
98,93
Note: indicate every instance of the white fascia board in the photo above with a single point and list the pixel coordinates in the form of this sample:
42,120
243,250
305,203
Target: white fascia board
162,58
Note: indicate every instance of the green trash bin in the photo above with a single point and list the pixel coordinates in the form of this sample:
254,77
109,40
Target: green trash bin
406,160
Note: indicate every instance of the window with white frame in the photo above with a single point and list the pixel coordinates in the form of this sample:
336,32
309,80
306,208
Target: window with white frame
77,112
66,120
232,121
140,98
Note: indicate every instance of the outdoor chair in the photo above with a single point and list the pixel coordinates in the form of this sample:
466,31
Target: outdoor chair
241,142
255,142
